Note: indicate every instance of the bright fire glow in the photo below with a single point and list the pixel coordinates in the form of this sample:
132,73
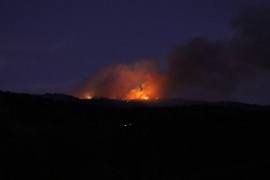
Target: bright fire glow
88,97
139,93
139,81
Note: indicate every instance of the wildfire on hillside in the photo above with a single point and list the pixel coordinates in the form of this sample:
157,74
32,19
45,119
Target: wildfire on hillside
138,81
237,69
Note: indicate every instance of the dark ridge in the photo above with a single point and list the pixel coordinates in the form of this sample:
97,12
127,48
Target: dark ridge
61,137
104,102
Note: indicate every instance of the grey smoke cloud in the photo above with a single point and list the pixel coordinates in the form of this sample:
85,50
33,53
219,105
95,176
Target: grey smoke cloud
206,70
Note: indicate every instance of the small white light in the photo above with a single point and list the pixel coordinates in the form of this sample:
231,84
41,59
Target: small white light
125,125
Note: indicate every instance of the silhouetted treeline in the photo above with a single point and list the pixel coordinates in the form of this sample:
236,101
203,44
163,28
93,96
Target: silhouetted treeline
44,137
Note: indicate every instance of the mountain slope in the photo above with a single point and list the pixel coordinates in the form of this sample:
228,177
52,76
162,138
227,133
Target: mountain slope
51,138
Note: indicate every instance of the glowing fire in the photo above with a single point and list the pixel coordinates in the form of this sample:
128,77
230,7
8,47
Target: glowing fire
145,91
139,81
138,93
88,97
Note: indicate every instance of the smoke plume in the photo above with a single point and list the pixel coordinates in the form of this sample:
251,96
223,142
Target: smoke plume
201,69
237,69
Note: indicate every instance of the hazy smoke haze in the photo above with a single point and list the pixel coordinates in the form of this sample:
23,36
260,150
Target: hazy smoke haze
236,69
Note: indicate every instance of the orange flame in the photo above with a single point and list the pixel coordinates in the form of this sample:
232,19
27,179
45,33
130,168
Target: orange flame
139,81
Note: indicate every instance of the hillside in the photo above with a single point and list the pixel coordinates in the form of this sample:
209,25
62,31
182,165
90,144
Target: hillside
61,137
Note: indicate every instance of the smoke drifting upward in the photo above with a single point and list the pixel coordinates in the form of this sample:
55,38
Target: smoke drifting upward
237,69
205,70
200,69
141,80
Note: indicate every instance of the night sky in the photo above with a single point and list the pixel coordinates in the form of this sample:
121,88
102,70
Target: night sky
53,46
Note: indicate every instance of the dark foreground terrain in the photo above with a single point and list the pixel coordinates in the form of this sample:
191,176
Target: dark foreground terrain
43,137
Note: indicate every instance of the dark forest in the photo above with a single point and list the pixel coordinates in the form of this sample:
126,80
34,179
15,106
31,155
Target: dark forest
61,137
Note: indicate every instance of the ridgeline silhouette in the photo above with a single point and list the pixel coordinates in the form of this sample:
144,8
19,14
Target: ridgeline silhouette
61,137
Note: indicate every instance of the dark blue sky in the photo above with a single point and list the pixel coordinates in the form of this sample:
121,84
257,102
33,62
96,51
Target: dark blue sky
53,45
